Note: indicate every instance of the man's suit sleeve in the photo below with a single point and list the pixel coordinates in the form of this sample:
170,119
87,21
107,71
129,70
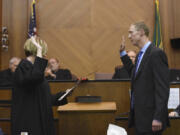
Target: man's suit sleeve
161,83
127,64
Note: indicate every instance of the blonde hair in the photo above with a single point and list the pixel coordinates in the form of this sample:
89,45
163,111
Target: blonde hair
31,49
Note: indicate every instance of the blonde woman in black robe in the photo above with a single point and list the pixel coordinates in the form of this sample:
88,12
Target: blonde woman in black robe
31,98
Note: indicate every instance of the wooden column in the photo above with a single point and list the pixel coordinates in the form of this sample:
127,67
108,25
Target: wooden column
170,28
15,18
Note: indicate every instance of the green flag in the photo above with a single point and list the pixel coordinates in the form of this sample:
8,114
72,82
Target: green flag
157,27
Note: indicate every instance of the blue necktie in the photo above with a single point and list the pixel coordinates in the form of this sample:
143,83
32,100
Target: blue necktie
138,61
137,66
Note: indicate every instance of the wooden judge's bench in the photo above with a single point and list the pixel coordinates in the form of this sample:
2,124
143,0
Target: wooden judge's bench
87,118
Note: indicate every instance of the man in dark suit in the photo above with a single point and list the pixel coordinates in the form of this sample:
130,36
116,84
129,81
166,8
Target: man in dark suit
149,83
120,71
6,76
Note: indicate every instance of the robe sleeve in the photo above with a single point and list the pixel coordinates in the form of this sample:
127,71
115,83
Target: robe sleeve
55,98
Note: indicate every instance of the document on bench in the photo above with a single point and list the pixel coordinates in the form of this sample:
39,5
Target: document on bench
68,91
173,98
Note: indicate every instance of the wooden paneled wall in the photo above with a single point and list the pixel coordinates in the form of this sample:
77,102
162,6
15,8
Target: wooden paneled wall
170,29
85,34
15,19
176,19
175,30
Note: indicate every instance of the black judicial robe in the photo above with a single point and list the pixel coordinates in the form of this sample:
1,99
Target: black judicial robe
61,74
32,100
6,78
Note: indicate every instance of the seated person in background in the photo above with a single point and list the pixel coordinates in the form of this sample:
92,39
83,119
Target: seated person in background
54,72
6,76
176,112
120,71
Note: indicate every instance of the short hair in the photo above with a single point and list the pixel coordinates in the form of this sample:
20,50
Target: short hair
13,59
142,25
55,59
31,49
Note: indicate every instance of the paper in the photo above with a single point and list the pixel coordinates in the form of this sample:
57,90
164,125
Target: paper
115,130
65,94
173,98
69,90
24,133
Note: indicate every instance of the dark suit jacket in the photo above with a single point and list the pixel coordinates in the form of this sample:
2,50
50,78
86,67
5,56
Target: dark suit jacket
6,78
150,88
121,73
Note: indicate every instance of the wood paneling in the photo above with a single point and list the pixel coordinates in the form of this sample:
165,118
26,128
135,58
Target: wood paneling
87,115
5,95
5,126
175,18
169,18
15,19
85,123
175,31
110,91
85,35
103,89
